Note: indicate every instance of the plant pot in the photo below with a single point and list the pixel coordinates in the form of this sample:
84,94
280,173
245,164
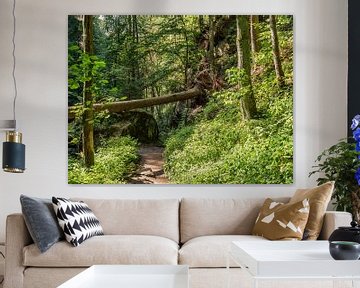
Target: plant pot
351,233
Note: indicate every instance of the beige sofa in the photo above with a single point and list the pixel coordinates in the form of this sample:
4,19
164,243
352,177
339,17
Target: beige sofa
194,232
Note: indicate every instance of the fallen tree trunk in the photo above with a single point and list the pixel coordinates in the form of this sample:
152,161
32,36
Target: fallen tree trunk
141,103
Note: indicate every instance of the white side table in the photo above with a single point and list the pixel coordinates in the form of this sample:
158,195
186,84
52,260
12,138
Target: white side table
287,261
131,276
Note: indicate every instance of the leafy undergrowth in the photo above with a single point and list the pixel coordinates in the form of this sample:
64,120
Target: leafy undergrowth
226,149
115,160
220,147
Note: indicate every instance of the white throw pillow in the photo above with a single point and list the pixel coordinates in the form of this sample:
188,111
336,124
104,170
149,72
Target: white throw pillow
76,220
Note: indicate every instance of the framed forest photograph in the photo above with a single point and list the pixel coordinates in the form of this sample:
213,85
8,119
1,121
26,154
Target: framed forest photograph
180,99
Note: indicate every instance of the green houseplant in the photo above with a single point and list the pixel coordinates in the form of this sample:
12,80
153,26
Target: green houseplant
341,163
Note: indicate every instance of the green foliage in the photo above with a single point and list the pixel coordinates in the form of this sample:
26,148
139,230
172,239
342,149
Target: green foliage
114,162
339,163
176,144
226,149
147,56
102,121
219,147
240,82
83,67
74,30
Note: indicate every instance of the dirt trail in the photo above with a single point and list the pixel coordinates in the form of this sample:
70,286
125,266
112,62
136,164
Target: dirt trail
151,169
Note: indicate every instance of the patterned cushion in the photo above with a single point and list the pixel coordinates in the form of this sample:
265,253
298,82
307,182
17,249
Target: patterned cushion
77,220
279,221
319,198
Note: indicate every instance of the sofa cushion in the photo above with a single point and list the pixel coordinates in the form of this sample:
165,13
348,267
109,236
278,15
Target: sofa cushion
41,221
35,277
200,217
107,249
211,251
158,217
319,198
77,220
279,221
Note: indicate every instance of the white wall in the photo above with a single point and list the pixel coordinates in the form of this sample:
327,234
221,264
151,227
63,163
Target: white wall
320,91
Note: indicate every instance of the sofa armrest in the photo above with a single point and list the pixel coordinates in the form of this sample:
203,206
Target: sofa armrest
17,237
332,220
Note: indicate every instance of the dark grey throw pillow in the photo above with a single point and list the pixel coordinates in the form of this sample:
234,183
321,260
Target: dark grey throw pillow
41,221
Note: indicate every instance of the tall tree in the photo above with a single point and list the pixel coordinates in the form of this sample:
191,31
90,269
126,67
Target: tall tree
255,44
276,51
88,115
211,56
185,59
201,23
247,100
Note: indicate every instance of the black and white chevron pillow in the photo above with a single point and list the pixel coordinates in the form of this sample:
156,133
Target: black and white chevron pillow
77,220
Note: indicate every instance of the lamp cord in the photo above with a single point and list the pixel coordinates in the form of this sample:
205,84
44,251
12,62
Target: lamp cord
14,61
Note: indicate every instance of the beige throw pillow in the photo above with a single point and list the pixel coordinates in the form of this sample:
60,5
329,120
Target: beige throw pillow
319,198
279,221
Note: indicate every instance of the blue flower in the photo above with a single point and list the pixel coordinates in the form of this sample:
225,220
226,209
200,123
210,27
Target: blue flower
357,175
355,122
355,126
356,134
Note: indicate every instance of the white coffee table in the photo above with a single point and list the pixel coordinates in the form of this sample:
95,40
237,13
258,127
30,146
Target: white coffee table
131,276
296,260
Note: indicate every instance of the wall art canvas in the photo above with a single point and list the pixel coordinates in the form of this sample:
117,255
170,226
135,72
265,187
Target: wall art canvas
180,99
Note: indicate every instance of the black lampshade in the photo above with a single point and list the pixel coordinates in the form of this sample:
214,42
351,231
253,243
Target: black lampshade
13,153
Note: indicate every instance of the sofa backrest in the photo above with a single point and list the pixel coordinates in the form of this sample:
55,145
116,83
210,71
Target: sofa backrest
200,217
159,217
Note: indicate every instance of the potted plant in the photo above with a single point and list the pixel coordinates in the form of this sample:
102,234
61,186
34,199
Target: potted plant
341,163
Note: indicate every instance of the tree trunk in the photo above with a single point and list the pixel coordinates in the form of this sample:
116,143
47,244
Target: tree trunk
88,116
247,101
136,33
141,103
201,23
186,61
255,44
276,51
211,55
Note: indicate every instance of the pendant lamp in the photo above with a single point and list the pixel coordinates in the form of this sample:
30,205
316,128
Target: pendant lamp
13,160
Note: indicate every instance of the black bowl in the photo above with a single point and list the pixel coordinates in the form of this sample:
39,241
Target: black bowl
344,250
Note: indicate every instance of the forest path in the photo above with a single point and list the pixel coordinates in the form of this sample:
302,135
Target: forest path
151,169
